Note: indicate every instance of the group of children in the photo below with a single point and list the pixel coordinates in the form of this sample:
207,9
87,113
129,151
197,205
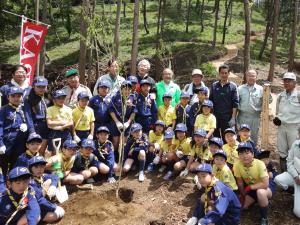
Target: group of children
173,140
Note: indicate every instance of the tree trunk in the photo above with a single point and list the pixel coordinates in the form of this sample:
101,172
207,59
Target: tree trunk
135,40
230,14
227,7
158,24
179,4
188,17
274,40
293,38
201,16
163,16
124,9
216,10
117,29
43,51
247,37
145,16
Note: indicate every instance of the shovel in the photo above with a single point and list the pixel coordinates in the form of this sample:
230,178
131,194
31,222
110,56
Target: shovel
61,192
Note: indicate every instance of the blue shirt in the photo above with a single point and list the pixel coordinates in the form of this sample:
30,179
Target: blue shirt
194,111
23,159
105,153
4,90
182,114
135,145
81,163
146,108
100,106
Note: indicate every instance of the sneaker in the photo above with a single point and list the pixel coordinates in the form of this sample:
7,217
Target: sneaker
162,168
168,175
150,167
141,176
264,221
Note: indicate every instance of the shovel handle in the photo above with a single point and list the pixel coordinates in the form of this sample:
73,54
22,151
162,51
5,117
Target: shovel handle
56,142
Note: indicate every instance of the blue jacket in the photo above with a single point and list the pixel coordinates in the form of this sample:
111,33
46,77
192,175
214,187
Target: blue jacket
81,163
194,111
100,106
5,90
146,109
105,153
183,114
2,181
134,146
23,159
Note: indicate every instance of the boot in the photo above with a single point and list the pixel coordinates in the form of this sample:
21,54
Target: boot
283,166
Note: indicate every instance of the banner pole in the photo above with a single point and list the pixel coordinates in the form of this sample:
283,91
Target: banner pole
37,17
23,18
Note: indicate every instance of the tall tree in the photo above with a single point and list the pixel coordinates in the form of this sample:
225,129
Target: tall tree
201,12
293,37
188,16
274,40
247,37
117,29
43,51
216,10
135,40
145,16
227,7
158,36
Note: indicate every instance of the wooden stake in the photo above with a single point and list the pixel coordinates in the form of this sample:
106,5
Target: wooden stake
265,117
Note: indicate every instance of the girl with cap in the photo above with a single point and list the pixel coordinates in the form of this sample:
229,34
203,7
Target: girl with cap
105,153
41,183
134,83
214,144
122,111
206,120
178,158
245,136
231,147
18,204
83,118
166,112
135,150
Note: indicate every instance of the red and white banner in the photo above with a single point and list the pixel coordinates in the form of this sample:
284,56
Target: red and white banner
32,39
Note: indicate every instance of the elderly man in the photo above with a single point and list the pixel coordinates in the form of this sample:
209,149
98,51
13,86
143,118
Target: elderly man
197,82
74,88
287,117
143,74
250,107
167,86
225,98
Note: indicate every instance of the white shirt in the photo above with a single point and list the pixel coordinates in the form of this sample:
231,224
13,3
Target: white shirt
289,107
71,99
115,85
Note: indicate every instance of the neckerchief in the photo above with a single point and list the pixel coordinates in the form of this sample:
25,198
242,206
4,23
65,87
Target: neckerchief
102,151
18,109
30,154
207,190
23,201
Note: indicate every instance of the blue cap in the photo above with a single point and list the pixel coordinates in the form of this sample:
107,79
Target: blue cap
104,83
204,167
169,134
181,127
15,90
102,129
244,145
87,143
229,130
40,81
160,122
34,136
37,160
184,95
70,144
126,83
59,93
200,132
167,95
82,95
208,103
135,127
220,152
18,172
201,89
132,79
245,126
216,141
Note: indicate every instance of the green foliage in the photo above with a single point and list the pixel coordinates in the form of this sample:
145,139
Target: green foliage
209,70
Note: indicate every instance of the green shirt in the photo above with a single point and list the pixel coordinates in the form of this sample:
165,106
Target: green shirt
172,88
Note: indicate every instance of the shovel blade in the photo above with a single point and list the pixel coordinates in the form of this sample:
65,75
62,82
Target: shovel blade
62,194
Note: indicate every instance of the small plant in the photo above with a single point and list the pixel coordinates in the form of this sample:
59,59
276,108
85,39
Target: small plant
209,70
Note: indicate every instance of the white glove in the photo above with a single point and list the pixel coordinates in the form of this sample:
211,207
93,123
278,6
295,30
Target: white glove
156,160
156,146
2,150
119,125
23,127
179,154
90,137
184,173
231,122
192,221
111,180
77,139
51,191
126,125
59,211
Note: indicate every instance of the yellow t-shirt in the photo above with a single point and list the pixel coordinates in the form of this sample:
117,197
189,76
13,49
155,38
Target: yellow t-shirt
66,164
252,174
225,175
202,154
167,114
83,118
206,122
231,152
59,113
183,145
164,147
153,138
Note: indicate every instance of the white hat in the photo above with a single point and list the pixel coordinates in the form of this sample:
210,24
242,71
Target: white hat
197,71
289,75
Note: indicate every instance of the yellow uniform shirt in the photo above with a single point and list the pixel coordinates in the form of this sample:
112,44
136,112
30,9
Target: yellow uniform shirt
153,138
252,174
66,164
164,147
225,175
231,152
83,118
183,145
167,114
202,153
59,113
206,122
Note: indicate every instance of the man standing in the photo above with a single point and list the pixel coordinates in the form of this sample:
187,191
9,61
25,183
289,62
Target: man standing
250,107
74,88
287,117
225,98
